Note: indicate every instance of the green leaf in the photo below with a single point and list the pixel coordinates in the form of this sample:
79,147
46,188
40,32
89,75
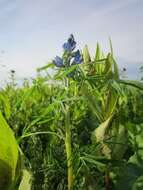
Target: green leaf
120,143
108,66
98,53
99,135
93,103
6,104
86,55
26,181
130,176
132,83
116,70
69,70
8,155
111,47
112,99
138,184
64,72
99,132
45,67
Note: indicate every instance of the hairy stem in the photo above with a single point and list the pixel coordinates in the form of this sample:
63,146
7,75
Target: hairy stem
107,180
68,149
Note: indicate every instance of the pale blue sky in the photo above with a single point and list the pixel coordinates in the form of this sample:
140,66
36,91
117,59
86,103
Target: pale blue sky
33,31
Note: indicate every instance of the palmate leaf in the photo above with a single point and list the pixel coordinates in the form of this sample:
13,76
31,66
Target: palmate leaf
8,155
69,70
62,73
135,84
130,176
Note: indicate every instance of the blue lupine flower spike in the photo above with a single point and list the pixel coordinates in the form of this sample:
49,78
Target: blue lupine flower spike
70,45
77,58
58,61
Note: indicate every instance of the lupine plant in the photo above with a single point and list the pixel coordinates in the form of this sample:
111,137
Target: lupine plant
69,58
79,128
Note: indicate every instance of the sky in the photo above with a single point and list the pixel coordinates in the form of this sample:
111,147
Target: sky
32,32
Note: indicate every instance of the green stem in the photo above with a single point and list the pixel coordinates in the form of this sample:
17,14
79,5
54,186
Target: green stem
68,148
107,180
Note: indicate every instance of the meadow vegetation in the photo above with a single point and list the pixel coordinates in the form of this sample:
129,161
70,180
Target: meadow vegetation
79,127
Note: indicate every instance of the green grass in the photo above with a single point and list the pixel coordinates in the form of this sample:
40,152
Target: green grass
82,132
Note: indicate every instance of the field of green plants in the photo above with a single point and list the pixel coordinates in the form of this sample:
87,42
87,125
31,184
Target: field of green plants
77,126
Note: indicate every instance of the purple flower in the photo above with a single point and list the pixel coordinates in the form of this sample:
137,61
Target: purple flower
58,61
77,58
70,44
